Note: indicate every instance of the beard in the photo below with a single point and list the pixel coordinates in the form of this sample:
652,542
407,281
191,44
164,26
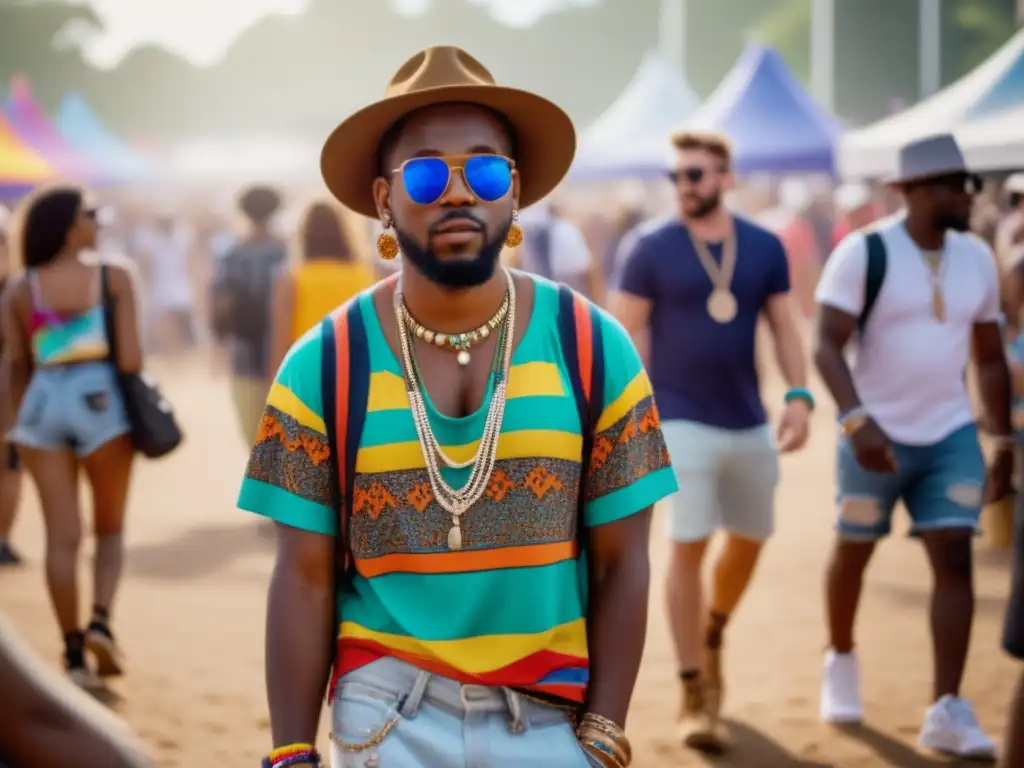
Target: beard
454,273
954,222
705,205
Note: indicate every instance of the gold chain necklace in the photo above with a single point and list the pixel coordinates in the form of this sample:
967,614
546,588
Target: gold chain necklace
460,343
456,502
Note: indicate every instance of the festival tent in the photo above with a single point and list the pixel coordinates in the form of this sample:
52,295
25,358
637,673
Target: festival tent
84,131
995,85
35,129
631,138
20,167
996,142
774,124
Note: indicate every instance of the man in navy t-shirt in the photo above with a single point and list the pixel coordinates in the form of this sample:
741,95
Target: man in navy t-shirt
691,292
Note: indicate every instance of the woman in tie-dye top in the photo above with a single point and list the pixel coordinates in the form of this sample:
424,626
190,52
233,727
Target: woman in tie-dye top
66,407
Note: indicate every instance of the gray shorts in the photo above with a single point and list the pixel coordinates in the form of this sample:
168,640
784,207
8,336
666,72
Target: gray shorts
71,406
727,479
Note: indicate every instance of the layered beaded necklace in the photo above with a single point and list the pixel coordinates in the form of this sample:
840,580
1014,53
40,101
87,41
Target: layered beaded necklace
460,343
457,501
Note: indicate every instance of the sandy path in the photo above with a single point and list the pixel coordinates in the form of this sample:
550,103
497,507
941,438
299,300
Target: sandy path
190,617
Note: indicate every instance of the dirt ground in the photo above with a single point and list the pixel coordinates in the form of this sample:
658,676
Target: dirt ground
191,611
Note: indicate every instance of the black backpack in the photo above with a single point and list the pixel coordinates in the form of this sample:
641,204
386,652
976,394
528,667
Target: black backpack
245,290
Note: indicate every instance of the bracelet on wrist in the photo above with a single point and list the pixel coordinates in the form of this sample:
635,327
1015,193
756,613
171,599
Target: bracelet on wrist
291,755
607,737
800,393
601,753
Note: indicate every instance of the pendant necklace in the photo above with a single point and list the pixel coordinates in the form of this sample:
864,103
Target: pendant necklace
721,304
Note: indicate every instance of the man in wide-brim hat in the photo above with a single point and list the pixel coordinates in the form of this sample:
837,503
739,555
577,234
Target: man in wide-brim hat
504,428
921,294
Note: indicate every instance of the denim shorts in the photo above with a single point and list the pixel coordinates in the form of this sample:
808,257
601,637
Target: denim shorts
71,406
941,485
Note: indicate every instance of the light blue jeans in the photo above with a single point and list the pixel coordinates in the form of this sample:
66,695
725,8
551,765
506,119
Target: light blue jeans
390,714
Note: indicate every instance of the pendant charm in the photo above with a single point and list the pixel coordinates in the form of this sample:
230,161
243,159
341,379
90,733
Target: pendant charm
722,306
455,538
938,305
463,357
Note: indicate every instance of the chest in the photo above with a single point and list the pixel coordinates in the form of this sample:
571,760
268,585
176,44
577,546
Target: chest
682,279
908,293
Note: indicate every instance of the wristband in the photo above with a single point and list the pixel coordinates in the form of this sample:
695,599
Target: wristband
800,393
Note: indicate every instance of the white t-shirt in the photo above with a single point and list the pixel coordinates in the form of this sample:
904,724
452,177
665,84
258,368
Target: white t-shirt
909,368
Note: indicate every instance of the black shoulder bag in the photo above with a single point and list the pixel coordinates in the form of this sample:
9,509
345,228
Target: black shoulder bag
155,431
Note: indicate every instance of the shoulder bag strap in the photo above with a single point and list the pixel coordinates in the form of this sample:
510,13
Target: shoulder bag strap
875,275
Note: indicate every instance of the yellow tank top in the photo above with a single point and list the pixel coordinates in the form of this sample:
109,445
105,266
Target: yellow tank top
320,286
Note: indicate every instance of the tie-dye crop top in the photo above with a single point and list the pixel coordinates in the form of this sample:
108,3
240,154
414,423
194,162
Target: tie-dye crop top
59,338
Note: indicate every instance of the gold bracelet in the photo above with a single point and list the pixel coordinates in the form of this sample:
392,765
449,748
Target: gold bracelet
611,729
599,752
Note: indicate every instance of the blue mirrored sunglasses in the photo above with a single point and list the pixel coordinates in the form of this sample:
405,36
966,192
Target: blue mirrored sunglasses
426,179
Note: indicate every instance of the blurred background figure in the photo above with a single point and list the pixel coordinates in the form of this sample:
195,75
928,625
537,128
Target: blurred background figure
854,210
328,269
10,469
554,247
164,252
242,291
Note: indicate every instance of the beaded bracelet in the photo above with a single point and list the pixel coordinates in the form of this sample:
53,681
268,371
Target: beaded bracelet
291,755
800,393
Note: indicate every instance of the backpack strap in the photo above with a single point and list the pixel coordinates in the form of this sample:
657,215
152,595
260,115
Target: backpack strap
875,275
580,329
345,358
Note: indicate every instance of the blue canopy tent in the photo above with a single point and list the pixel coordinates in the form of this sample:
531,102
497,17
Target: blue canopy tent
631,138
83,130
775,125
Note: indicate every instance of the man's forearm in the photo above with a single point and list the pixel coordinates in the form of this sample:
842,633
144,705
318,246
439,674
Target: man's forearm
836,374
996,394
300,619
616,630
789,353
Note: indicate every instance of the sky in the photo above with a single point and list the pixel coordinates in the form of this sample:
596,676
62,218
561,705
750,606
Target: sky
202,30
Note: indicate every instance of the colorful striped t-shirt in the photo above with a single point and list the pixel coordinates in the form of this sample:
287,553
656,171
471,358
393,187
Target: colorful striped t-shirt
509,608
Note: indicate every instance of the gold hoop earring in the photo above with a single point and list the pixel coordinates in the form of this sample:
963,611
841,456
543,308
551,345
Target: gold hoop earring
514,238
387,244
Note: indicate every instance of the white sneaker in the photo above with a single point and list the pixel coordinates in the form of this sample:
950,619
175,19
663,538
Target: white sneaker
951,727
840,689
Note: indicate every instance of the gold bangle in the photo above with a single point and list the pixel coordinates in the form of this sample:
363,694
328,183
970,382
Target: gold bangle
613,732
594,748
616,747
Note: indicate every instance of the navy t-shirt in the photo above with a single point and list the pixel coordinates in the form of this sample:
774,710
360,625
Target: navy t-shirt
701,370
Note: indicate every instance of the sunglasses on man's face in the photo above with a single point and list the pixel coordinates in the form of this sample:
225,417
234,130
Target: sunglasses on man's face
693,174
970,183
426,179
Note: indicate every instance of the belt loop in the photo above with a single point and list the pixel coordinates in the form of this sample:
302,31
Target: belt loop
411,704
515,708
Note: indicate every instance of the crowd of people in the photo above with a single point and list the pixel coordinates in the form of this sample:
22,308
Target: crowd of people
460,449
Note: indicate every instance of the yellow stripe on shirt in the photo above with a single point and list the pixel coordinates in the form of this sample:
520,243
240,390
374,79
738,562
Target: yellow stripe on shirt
286,401
635,391
480,655
523,443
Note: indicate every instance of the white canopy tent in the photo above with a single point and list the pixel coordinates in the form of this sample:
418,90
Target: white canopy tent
631,138
872,151
994,143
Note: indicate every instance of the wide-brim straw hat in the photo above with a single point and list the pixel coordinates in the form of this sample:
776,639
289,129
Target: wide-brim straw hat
544,134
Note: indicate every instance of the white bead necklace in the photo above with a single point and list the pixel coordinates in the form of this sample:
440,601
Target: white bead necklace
458,501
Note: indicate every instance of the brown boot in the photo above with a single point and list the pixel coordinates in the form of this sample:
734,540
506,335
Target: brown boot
696,730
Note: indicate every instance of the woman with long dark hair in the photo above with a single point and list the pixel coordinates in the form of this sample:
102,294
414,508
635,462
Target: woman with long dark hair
67,409
330,270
